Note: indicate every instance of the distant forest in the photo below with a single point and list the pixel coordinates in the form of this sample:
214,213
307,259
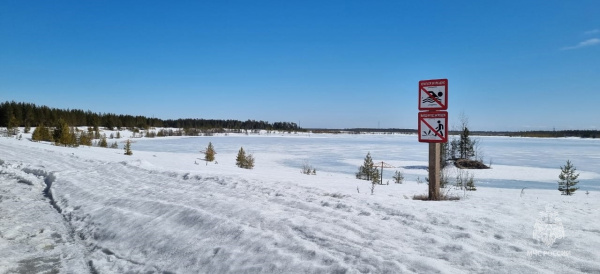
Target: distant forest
14,114
538,134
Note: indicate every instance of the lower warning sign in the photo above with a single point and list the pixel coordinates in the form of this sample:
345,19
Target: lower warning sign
433,127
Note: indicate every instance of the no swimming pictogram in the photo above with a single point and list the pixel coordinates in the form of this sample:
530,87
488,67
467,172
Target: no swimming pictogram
433,127
433,94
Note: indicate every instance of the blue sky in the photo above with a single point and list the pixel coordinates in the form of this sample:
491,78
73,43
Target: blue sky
511,65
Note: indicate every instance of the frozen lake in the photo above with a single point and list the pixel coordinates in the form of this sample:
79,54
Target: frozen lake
535,158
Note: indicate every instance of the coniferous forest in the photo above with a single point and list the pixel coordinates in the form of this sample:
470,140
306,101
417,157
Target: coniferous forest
13,114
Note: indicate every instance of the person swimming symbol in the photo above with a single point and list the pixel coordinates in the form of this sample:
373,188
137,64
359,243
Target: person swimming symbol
433,97
440,128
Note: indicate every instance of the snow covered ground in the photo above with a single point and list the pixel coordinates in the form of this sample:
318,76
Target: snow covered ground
163,210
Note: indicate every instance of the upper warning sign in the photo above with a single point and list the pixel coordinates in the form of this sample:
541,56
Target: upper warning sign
433,94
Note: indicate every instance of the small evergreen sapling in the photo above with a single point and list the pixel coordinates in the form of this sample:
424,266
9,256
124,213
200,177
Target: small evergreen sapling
128,148
568,179
103,142
398,177
41,133
241,158
62,134
367,170
85,139
209,154
244,161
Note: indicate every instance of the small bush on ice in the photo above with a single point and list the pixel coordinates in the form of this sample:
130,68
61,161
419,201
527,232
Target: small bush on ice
308,169
244,161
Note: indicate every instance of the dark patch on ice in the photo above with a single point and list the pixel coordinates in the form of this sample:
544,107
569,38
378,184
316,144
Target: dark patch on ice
23,181
461,236
57,237
93,270
38,265
216,251
452,248
515,248
107,251
335,195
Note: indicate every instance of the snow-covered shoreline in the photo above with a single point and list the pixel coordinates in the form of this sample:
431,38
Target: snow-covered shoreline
161,212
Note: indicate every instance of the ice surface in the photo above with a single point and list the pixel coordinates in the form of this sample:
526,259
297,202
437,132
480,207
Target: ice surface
163,210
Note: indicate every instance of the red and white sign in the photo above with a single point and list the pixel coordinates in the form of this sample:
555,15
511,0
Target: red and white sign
433,94
433,127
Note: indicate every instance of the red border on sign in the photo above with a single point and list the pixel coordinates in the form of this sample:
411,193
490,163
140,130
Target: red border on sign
442,114
434,83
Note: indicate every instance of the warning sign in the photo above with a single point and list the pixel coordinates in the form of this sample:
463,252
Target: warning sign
433,94
433,127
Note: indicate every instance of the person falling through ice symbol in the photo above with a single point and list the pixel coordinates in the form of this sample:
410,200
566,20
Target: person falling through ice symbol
440,128
432,95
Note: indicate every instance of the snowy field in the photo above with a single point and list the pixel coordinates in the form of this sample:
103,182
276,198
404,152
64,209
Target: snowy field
163,210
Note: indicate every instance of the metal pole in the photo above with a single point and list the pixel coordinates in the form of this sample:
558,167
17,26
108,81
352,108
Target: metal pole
434,171
381,181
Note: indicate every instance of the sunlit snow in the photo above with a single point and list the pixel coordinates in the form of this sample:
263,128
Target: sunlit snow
165,210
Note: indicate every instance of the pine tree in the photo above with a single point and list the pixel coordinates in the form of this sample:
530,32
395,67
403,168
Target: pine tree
13,125
209,154
240,160
73,134
62,134
128,148
249,161
376,176
41,133
367,170
465,144
244,161
85,139
568,179
103,142
398,177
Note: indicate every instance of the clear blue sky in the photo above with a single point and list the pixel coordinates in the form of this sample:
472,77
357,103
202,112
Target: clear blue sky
511,65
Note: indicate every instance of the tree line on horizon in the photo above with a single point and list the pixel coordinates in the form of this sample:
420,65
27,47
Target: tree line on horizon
533,134
13,114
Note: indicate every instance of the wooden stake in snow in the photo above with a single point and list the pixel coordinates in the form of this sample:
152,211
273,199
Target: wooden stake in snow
383,165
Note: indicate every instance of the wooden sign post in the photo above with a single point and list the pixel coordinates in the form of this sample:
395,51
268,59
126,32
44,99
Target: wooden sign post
434,171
